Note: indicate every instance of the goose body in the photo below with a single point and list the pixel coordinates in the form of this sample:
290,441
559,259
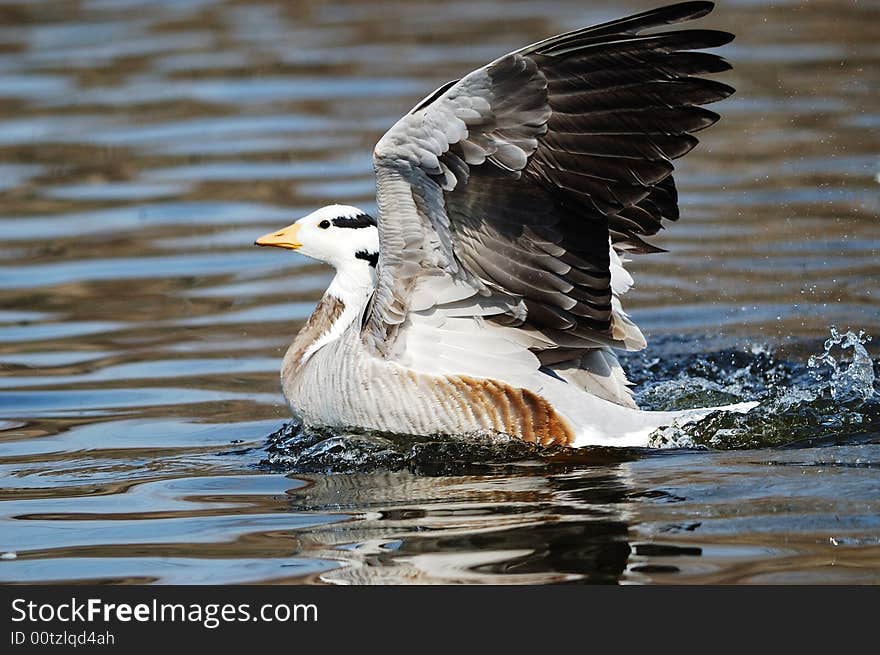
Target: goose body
485,297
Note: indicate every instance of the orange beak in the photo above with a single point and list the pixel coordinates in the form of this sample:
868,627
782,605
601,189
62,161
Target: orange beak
284,238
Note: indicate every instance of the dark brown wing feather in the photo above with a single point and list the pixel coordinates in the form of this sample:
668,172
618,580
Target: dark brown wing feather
623,107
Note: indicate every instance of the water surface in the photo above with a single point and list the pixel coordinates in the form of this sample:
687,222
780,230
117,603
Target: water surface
143,146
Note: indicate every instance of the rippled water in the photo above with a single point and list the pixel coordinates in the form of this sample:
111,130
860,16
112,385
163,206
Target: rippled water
143,146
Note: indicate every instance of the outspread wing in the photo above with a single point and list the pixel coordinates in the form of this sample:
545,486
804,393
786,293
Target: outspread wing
500,194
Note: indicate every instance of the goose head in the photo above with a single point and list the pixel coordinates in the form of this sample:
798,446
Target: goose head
339,235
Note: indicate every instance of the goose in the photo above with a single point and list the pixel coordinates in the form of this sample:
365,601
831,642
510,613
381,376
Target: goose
485,296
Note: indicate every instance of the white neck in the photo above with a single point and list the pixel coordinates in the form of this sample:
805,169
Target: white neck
353,284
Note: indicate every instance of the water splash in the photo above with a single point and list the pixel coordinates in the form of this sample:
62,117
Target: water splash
854,381
306,450
798,404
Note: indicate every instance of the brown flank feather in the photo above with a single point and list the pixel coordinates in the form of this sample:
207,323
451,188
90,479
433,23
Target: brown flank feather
327,312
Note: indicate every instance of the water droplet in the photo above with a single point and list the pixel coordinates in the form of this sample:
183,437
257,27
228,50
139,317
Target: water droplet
852,381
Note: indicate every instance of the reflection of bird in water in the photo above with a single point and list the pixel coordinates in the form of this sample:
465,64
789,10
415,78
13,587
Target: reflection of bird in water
487,295
523,528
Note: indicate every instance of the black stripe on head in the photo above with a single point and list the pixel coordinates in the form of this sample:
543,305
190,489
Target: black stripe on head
361,220
371,257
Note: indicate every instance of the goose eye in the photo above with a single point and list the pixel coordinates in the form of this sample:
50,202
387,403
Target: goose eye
324,225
